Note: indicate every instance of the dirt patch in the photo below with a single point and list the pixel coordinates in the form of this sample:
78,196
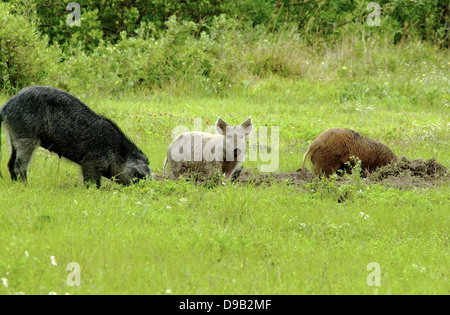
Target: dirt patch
254,177
403,174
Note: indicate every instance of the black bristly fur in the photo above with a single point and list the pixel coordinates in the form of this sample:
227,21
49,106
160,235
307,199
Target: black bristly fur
61,123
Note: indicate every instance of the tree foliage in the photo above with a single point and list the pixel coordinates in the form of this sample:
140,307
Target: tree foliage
209,45
107,19
25,57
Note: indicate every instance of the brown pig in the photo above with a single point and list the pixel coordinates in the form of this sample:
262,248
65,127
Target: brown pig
333,148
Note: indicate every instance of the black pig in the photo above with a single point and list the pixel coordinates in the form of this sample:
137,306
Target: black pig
61,123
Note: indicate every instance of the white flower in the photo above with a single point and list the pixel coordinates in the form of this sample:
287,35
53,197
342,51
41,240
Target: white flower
421,269
169,207
54,263
168,291
52,293
75,202
363,215
183,200
26,254
5,282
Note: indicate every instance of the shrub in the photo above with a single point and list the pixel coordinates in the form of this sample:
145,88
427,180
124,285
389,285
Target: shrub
25,57
226,54
107,19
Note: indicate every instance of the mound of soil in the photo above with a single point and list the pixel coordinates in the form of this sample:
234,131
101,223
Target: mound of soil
406,167
405,174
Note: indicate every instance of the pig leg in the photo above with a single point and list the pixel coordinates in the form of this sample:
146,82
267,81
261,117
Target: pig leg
91,175
175,170
11,163
22,151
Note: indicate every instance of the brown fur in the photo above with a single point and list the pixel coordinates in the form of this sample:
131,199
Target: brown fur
334,147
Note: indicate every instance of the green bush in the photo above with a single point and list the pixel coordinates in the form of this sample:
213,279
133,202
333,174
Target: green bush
426,20
137,63
107,19
229,55
225,55
25,57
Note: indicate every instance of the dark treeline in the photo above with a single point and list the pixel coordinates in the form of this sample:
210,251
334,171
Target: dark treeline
106,19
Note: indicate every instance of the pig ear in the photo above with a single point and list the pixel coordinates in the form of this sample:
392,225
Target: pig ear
221,126
248,126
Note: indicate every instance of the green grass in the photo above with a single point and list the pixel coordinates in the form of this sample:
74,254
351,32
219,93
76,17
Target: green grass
232,239
224,240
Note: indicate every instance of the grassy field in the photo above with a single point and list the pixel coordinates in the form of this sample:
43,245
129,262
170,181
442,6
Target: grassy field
181,238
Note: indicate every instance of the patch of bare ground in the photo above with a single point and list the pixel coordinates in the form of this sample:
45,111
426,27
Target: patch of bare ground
402,174
254,177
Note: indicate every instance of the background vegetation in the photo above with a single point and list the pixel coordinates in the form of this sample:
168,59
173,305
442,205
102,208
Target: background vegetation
203,46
